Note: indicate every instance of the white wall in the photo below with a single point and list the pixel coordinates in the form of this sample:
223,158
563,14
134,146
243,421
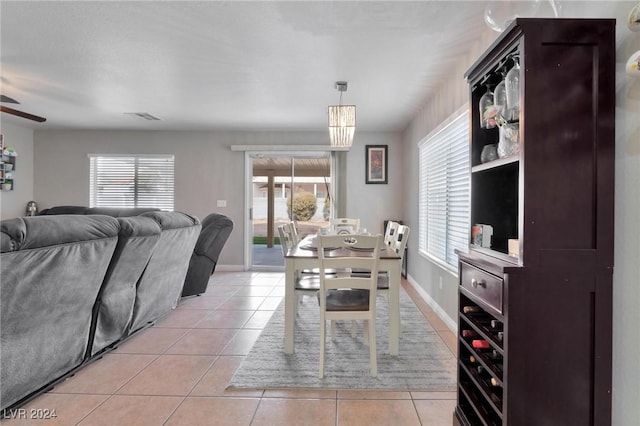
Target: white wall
626,292
13,203
206,170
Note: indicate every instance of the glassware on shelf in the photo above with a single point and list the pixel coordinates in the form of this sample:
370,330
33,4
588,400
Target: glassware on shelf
509,140
500,100
489,153
487,113
512,86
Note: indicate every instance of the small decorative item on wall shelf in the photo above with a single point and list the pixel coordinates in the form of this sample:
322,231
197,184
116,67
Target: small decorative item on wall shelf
376,162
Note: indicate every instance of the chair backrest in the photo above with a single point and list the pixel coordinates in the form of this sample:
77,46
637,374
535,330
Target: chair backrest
399,243
364,255
390,232
294,231
345,225
287,239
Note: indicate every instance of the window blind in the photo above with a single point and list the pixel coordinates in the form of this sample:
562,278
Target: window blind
131,181
443,210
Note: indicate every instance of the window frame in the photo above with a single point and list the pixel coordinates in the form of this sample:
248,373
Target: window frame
139,198
457,174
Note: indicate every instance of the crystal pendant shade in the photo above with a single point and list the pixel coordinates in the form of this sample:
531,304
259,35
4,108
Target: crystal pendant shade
342,125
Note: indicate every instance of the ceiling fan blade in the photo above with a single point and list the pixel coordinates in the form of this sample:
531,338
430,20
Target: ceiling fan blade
8,100
22,114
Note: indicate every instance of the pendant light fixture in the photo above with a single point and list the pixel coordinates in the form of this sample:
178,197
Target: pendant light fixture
342,121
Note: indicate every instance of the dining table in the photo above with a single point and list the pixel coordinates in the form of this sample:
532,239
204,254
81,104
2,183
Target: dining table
304,256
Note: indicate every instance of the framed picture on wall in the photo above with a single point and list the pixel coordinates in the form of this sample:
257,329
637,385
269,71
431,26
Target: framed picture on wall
376,163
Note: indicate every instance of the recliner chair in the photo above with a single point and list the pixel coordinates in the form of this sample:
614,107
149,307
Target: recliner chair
216,229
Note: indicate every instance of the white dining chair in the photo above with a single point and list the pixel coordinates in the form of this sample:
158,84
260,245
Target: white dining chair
307,284
349,297
390,232
345,225
398,245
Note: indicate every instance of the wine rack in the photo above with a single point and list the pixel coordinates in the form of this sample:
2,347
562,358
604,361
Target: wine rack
481,347
535,305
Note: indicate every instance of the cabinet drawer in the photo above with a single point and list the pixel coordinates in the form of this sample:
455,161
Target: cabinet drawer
482,285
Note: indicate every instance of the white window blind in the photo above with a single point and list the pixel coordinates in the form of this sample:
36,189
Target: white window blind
443,223
131,181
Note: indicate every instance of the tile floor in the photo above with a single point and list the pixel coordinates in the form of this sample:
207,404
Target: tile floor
175,373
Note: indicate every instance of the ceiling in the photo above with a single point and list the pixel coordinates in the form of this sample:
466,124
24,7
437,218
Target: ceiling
205,65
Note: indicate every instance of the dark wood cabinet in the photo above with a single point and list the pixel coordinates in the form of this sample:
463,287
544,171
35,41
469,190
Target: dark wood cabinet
534,344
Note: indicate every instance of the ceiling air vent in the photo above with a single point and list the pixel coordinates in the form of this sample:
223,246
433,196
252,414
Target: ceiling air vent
143,115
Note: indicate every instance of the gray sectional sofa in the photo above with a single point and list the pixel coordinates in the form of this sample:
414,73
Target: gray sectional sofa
72,286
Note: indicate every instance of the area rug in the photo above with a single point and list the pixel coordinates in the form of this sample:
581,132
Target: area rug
424,362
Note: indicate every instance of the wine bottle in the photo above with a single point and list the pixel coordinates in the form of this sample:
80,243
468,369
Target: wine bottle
496,324
494,382
480,344
469,309
469,333
501,336
472,359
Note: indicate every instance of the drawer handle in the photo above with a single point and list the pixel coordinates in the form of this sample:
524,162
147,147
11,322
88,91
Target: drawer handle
478,283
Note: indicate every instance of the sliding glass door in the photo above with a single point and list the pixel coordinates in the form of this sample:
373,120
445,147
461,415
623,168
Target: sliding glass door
284,187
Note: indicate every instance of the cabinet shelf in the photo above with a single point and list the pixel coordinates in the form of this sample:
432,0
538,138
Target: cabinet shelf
486,390
495,163
478,406
483,331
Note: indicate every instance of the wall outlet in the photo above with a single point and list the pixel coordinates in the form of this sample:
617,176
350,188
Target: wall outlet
222,203
440,283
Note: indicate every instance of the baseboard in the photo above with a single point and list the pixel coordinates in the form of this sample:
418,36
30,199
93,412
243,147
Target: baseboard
449,322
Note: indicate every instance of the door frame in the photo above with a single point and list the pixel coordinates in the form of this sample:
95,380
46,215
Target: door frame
338,193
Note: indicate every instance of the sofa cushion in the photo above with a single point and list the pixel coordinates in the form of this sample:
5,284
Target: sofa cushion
160,286
113,312
50,281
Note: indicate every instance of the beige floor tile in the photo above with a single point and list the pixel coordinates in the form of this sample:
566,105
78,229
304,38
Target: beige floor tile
300,393
203,341
255,290
152,341
225,319
54,409
434,395
217,378
107,375
278,292
286,412
214,411
218,290
203,302
365,394
133,410
435,413
242,342
228,281
270,303
377,412
268,280
259,319
242,303
169,375
183,318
